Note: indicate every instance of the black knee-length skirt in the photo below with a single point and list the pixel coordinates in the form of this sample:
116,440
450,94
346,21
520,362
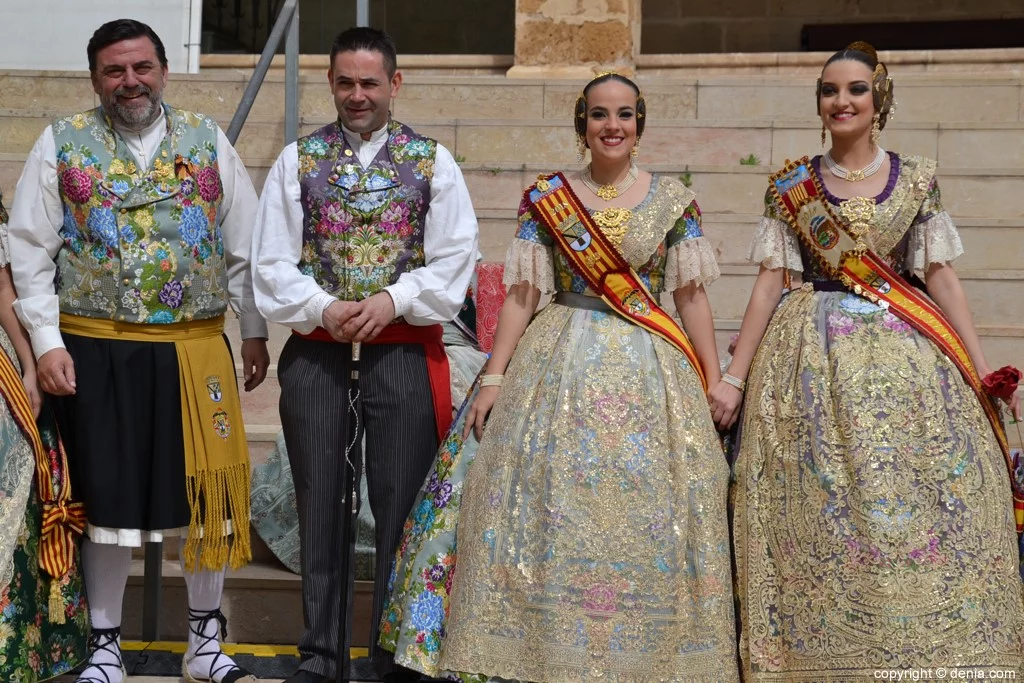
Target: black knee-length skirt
122,430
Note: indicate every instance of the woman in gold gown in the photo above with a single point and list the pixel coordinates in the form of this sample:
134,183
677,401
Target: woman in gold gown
873,519
592,533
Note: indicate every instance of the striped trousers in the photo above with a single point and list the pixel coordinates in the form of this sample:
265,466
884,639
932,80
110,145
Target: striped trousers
397,412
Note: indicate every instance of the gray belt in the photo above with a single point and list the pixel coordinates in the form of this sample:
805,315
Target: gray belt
574,300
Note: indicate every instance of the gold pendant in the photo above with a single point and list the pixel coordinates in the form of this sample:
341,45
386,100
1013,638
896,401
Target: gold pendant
613,222
859,213
607,192
855,176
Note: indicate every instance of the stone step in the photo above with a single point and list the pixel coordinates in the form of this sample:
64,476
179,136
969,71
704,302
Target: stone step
677,142
262,602
977,96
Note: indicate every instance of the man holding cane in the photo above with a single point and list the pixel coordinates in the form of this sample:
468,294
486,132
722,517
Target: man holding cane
365,235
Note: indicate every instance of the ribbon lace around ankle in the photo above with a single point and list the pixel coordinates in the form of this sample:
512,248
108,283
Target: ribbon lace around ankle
103,639
197,621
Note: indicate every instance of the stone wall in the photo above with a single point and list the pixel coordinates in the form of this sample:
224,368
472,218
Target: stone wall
580,35
688,26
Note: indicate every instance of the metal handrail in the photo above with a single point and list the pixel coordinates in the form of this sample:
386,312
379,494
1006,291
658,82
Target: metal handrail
287,20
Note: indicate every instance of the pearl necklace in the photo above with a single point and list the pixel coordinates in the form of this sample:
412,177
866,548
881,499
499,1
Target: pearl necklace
854,176
609,192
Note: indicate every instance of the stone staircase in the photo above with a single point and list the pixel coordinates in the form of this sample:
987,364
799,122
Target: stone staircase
724,132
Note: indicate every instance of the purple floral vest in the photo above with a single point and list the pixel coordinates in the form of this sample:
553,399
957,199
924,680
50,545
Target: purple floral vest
362,228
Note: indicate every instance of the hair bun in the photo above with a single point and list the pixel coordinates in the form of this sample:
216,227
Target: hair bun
866,48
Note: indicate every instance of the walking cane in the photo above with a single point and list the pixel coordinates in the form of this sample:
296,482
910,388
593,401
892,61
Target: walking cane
349,511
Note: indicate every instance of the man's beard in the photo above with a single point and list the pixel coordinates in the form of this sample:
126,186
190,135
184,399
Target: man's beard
134,117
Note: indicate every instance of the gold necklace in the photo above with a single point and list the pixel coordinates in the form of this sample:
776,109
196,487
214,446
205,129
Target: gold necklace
608,191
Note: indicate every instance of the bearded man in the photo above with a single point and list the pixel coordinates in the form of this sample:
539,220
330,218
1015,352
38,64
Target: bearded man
130,235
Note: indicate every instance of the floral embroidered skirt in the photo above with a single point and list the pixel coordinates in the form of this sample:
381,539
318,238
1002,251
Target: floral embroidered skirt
873,519
591,525
32,648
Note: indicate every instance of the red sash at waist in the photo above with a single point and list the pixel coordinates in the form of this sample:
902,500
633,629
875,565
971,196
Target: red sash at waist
438,373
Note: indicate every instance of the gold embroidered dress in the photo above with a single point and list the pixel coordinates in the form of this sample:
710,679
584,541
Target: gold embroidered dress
593,537
873,521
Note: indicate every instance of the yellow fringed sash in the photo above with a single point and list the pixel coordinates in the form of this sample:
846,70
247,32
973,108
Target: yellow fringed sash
216,453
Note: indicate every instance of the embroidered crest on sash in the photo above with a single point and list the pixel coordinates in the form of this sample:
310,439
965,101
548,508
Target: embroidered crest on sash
213,386
221,424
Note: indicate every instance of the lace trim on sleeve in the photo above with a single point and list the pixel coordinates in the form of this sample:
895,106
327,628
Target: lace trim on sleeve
688,261
532,262
775,246
934,240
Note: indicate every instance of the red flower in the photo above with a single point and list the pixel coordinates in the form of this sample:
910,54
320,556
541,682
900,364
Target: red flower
208,180
1002,383
76,185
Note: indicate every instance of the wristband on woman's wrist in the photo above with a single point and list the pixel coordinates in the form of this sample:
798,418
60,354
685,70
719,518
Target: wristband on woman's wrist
491,380
735,382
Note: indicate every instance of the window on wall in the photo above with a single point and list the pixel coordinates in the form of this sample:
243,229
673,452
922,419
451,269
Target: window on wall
694,26
418,26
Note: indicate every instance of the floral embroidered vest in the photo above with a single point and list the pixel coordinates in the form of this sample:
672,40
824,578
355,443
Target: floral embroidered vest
362,228
140,245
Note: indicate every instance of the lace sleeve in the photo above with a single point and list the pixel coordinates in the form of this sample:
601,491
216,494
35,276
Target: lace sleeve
774,244
529,256
691,260
933,240
531,262
690,256
933,237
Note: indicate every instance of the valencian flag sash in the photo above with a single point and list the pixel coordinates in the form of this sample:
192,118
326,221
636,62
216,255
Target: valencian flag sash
62,519
601,265
842,253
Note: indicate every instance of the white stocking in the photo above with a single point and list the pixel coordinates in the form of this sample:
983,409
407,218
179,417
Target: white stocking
203,659
105,567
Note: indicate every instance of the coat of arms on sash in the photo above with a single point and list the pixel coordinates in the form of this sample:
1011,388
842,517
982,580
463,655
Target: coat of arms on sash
221,424
634,301
826,234
213,386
